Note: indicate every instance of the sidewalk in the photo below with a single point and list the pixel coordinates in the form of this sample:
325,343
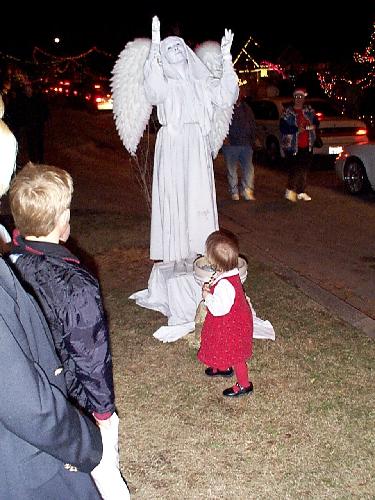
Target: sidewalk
338,307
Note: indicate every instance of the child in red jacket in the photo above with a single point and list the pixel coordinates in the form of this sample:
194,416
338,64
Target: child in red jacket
227,333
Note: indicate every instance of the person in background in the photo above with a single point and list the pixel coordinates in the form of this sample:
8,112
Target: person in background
48,448
36,116
238,149
298,125
227,333
70,297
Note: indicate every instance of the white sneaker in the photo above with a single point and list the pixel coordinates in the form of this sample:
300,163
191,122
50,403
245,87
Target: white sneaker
291,195
235,197
304,197
248,194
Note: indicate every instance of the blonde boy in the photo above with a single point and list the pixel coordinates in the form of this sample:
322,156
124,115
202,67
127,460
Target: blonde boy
70,297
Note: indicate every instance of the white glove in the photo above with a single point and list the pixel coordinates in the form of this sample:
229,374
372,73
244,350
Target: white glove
226,44
155,30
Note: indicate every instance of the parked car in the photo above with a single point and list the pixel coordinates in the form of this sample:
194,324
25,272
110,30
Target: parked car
355,166
98,97
336,130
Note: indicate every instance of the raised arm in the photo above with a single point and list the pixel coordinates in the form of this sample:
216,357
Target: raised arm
155,38
225,93
155,83
226,45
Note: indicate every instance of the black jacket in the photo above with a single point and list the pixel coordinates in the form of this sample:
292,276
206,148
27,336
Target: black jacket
71,301
40,430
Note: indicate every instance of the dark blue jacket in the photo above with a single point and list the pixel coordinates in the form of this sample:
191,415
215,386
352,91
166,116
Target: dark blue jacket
40,430
242,130
71,301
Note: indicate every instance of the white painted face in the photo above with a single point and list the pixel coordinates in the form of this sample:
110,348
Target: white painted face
175,52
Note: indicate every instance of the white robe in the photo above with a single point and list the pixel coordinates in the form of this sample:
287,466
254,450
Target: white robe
184,210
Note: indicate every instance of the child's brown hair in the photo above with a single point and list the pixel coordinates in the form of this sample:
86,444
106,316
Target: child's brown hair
222,250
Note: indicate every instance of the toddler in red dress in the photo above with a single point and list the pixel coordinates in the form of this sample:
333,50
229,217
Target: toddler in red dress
227,333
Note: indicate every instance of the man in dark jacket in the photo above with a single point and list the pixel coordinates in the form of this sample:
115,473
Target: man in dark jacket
238,149
48,448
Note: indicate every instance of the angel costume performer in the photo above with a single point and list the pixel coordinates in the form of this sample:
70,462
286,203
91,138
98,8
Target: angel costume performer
186,94
194,107
184,208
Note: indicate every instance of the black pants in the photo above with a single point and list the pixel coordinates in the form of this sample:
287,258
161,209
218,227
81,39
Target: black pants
298,166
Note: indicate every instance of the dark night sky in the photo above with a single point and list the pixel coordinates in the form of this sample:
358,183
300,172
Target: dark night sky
329,32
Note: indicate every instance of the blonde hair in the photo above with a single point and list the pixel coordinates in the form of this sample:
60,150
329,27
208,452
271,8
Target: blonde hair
222,250
38,196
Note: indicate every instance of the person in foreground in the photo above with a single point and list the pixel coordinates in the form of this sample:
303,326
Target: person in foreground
298,127
48,448
227,333
70,297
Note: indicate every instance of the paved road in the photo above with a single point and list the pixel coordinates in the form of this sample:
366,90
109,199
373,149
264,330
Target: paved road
326,246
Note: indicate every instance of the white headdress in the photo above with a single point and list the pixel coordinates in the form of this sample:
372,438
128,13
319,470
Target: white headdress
131,109
8,153
196,69
209,53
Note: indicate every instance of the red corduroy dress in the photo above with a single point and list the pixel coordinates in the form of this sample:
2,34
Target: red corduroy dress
228,339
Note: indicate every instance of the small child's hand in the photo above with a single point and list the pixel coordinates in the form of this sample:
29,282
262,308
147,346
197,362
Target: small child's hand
205,290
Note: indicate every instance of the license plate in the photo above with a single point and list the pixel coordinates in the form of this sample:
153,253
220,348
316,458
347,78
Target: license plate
335,150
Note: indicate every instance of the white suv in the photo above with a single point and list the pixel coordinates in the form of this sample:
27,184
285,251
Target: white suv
336,130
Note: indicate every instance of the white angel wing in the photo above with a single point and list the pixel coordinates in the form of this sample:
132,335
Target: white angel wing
221,121
130,107
209,53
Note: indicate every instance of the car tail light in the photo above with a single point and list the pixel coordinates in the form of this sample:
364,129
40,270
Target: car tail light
319,115
361,131
342,155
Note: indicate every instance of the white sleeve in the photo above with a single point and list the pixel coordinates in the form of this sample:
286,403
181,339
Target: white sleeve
224,92
220,302
4,235
155,83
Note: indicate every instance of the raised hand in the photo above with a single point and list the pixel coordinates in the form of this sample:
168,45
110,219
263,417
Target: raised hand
226,43
155,30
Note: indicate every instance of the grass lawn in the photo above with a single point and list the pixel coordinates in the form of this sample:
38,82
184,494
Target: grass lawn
306,432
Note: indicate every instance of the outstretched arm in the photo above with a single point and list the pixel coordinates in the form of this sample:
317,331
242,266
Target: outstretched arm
225,94
155,38
155,84
226,45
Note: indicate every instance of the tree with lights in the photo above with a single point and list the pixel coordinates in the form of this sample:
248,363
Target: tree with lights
367,59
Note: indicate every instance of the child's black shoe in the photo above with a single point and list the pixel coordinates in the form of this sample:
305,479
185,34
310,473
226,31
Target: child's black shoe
218,373
238,390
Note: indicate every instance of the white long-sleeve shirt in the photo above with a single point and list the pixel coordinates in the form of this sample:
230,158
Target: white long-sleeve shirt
221,301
